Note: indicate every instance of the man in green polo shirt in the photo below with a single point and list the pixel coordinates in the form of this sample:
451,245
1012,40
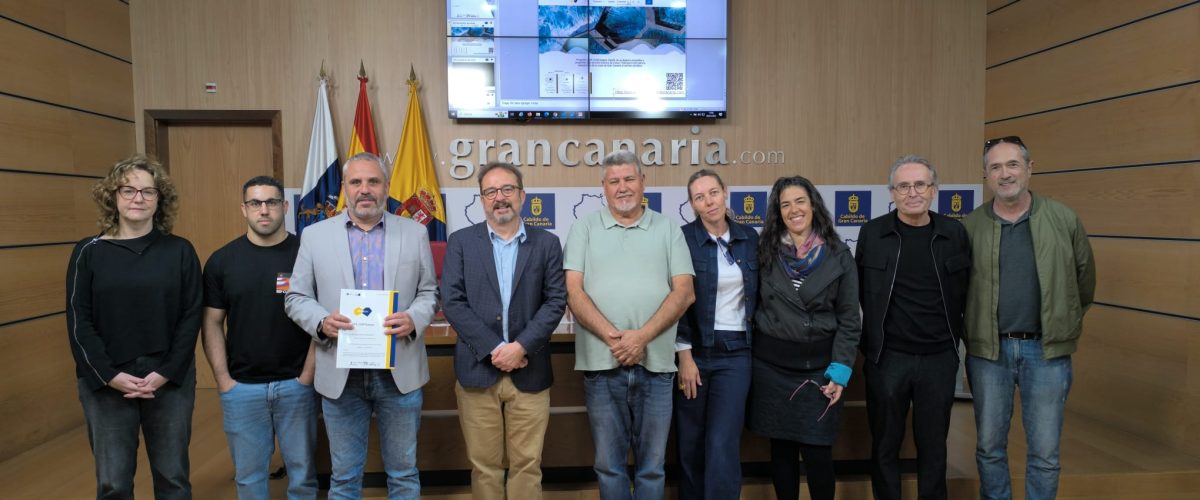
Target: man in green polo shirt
629,279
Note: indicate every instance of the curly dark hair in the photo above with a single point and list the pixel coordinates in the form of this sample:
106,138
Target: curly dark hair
104,193
774,229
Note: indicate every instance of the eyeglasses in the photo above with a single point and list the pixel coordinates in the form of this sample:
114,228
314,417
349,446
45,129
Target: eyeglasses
1011,139
919,187
128,192
818,386
507,190
273,203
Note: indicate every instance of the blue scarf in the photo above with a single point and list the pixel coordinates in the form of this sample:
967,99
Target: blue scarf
797,266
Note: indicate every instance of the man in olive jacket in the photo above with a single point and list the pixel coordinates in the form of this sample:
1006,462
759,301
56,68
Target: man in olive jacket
1022,325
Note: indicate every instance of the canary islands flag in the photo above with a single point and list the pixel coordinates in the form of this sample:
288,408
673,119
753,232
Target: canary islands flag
414,188
323,174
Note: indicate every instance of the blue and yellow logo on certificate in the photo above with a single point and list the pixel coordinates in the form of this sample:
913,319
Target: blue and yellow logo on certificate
956,203
538,210
653,201
852,208
749,207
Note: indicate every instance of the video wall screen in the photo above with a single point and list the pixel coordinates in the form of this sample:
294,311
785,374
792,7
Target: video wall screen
586,59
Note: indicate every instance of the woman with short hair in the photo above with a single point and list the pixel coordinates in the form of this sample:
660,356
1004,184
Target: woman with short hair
133,315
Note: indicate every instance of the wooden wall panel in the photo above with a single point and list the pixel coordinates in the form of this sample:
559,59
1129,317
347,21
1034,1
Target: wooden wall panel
1145,201
45,68
46,209
1145,362
1136,371
1033,25
34,281
1149,128
1148,274
839,89
38,399
98,143
100,24
1149,54
996,4
37,137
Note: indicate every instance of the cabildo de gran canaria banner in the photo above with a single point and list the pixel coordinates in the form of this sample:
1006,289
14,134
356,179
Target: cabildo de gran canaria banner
555,209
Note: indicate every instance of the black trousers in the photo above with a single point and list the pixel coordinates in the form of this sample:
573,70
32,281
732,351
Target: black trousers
926,382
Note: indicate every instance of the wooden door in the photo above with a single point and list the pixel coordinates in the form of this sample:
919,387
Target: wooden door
209,163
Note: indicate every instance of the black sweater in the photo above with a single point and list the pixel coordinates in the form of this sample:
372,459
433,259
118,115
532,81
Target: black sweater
132,298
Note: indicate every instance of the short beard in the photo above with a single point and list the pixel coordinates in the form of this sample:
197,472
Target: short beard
626,207
501,220
367,213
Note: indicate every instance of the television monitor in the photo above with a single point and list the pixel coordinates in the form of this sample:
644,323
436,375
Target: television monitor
586,59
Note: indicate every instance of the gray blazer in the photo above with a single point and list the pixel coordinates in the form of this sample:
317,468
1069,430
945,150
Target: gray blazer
471,302
323,270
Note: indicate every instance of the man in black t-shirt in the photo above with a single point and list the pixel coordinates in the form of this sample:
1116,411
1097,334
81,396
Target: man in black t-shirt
913,268
263,362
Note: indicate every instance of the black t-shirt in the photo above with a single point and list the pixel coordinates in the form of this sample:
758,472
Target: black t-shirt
916,318
249,282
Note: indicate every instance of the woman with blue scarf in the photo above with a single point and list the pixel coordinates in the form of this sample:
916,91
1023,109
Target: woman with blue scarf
806,326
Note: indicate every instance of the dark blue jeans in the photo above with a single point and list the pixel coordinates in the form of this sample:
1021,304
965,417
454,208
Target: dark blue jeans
113,423
709,428
629,407
1044,384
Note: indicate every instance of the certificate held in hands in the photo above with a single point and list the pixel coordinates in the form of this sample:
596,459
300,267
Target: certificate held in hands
367,346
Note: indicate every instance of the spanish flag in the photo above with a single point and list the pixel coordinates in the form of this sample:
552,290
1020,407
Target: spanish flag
414,188
362,137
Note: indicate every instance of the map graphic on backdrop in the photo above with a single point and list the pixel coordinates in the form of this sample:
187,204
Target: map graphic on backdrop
557,208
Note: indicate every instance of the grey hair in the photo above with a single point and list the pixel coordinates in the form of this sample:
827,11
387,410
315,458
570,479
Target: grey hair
905,160
1024,152
621,157
368,157
507,167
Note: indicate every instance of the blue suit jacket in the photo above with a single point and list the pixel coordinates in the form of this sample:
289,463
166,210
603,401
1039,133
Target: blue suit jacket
471,301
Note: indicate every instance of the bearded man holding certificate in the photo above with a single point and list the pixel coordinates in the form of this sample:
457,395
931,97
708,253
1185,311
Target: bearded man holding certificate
366,248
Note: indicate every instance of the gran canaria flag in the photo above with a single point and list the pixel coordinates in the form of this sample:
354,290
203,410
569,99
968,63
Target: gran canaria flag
362,137
323,174
414,190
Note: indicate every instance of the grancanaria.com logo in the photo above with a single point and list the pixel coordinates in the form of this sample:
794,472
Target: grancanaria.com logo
362,311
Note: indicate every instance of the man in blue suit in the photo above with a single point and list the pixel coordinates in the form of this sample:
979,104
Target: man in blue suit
504,293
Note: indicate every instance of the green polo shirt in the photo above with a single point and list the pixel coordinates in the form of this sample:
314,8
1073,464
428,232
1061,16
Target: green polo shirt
627,272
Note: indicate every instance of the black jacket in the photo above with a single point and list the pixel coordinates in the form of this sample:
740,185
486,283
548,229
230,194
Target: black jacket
877,252
809,328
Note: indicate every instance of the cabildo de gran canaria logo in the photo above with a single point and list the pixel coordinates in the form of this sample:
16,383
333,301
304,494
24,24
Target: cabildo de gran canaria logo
748,207
362,311
539,211
853,208
956,203
652,201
